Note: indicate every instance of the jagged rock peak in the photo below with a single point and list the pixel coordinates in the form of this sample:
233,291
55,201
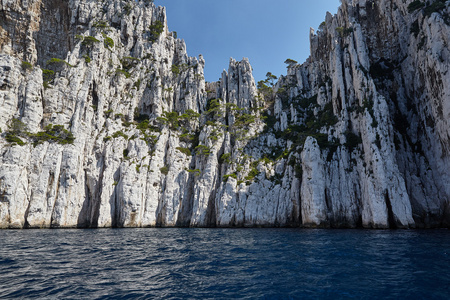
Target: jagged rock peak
114,125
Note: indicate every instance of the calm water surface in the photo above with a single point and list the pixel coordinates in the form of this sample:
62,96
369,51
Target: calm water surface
224,264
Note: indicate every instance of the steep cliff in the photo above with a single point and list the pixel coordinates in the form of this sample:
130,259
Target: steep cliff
106,121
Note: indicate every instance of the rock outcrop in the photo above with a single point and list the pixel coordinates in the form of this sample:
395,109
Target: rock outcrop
107,122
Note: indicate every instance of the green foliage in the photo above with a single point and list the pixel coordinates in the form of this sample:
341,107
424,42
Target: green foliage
170,119
47,76
290,62
17,127
13,139
187,137
128,8
89,41
306,102
107,138
137,84
120,133
202,150
108,112
101,24
176,70
125,153
128,62
26,66
58,61
244,120
196,172
233,175
155,30
164,170
252,174
123,72
108,42
185,151
87,59
213,108
352,140
226,157
435,7
415,5
190,115
53,133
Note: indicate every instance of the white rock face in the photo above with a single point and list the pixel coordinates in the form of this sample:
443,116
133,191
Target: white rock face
357,136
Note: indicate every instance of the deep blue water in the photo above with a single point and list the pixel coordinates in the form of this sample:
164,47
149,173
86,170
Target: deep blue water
224,264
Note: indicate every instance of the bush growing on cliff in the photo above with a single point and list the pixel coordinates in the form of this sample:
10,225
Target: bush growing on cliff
53,133
155,30
26,66
164,170
89,41
202,150
290,62
58,61
415,5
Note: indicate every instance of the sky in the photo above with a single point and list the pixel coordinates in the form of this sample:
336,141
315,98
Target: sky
267,32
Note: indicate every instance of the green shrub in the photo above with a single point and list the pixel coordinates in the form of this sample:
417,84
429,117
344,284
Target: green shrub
252,174
187,137
54,61
13,139
202,150
185,151
101,24
352,140
87,59
435,7
128,8
47,76
226,157
27,66
225,178
120,133
176,70
170,119
53,133
415,5
290,62
108,42
196,172
123,72
17,127
89,41
164,170
155,30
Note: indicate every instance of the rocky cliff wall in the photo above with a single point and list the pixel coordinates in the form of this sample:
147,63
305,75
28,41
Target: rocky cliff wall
106,121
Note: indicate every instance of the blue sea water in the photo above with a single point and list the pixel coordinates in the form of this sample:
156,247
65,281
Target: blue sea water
224,264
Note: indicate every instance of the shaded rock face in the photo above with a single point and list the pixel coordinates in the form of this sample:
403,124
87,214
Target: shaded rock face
357,136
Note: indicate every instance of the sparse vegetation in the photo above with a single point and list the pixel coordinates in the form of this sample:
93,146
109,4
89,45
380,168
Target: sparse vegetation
164,170
26,66
155,30
415,5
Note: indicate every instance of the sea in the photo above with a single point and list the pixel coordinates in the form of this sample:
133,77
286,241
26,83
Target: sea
191,263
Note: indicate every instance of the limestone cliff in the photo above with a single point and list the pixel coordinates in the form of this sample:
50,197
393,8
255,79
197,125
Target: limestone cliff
106,121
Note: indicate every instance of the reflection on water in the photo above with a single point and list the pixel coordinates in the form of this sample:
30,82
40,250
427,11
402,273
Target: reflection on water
224,264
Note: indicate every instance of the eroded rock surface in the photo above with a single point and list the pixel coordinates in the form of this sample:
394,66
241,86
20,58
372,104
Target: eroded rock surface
106,121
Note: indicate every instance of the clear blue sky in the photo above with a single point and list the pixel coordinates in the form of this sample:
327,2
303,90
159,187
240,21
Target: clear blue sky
266,31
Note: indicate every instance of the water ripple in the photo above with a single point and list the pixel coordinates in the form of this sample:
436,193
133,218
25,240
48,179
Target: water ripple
224,264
